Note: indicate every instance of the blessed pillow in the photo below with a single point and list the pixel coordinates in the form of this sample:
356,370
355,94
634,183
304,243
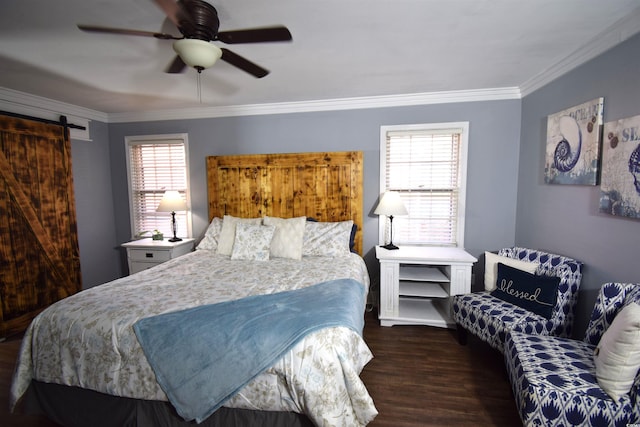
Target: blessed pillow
491,261
228,232
288,237
210,240
537,294
326,238
617,356
252,242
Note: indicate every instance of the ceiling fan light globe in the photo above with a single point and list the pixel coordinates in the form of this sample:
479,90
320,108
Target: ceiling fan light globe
196,53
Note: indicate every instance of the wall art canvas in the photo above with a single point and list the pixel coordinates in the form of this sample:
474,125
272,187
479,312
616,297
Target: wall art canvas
574,138
620,184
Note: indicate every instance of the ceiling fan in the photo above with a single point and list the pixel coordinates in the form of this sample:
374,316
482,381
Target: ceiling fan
198,23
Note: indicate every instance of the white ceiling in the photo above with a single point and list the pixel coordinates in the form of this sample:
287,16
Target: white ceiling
340,49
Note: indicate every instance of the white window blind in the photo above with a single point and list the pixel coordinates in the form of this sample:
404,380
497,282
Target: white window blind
156,165
424,163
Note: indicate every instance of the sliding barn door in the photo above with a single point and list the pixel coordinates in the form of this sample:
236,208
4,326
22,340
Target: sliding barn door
38,230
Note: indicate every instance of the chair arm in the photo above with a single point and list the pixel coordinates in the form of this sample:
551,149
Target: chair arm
611,298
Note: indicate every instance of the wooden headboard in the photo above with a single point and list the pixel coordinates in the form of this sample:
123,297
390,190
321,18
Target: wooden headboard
323,186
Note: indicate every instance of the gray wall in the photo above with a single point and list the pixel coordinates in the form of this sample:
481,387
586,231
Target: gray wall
492,168
99,260
564,218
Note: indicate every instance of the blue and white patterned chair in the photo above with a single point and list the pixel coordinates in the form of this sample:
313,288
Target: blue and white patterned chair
490,318
554,379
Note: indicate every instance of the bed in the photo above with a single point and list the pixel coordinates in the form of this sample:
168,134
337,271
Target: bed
88,359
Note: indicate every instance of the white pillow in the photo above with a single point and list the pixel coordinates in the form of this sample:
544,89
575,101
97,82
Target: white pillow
252,242
228,232
287,239
617,356
326,238
491,261
210,240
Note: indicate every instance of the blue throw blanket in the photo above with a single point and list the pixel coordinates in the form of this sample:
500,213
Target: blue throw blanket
204,355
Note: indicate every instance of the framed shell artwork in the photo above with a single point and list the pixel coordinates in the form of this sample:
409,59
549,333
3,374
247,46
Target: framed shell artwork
620,187
574,138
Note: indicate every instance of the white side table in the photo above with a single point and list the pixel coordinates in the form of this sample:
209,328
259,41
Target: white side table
416,284
146,253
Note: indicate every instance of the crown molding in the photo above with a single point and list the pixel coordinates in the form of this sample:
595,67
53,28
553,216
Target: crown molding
25,103
622,30
320,105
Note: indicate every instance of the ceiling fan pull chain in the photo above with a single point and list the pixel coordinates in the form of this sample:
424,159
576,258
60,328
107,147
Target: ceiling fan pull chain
199,86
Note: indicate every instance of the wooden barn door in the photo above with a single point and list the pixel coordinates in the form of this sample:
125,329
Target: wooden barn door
38,231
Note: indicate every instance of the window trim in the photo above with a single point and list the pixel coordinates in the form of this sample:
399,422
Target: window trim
462,172
142,139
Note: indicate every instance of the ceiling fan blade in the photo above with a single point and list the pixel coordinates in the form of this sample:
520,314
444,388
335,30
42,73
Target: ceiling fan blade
242,63
255,35
98,29
176,13
176,66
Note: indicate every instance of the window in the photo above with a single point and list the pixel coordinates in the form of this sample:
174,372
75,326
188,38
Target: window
156,164
426,164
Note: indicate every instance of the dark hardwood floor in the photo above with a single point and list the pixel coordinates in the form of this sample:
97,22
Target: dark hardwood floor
420,376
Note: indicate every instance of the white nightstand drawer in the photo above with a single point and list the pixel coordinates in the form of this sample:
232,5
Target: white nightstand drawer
149,255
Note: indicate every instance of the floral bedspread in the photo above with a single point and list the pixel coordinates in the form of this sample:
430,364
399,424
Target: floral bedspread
93,329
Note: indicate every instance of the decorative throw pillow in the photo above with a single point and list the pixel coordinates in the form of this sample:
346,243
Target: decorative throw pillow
491,261
352,238
617,356
287,239
537,294
326,238
228,232
252,242
210,240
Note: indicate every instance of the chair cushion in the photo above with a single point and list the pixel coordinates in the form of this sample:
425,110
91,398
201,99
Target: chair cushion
490,318
554,383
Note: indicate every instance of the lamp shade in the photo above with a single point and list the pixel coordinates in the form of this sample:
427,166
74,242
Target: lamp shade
391,204
172,201
198,54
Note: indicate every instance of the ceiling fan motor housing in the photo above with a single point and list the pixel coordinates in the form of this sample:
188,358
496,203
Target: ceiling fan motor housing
198,22
204,21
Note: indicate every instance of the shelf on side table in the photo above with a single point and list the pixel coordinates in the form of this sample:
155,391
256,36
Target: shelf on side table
422,311
423,289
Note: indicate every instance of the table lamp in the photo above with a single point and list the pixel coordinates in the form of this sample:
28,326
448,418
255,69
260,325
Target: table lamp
172,201
390,204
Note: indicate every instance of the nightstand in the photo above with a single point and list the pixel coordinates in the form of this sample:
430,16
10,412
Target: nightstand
146,253
416,284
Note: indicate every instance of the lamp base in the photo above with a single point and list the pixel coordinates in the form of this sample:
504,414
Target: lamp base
390,246
175,239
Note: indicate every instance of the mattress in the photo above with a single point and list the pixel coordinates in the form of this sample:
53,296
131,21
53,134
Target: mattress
319,376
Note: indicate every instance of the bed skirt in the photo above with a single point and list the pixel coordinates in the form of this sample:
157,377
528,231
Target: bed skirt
74,406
